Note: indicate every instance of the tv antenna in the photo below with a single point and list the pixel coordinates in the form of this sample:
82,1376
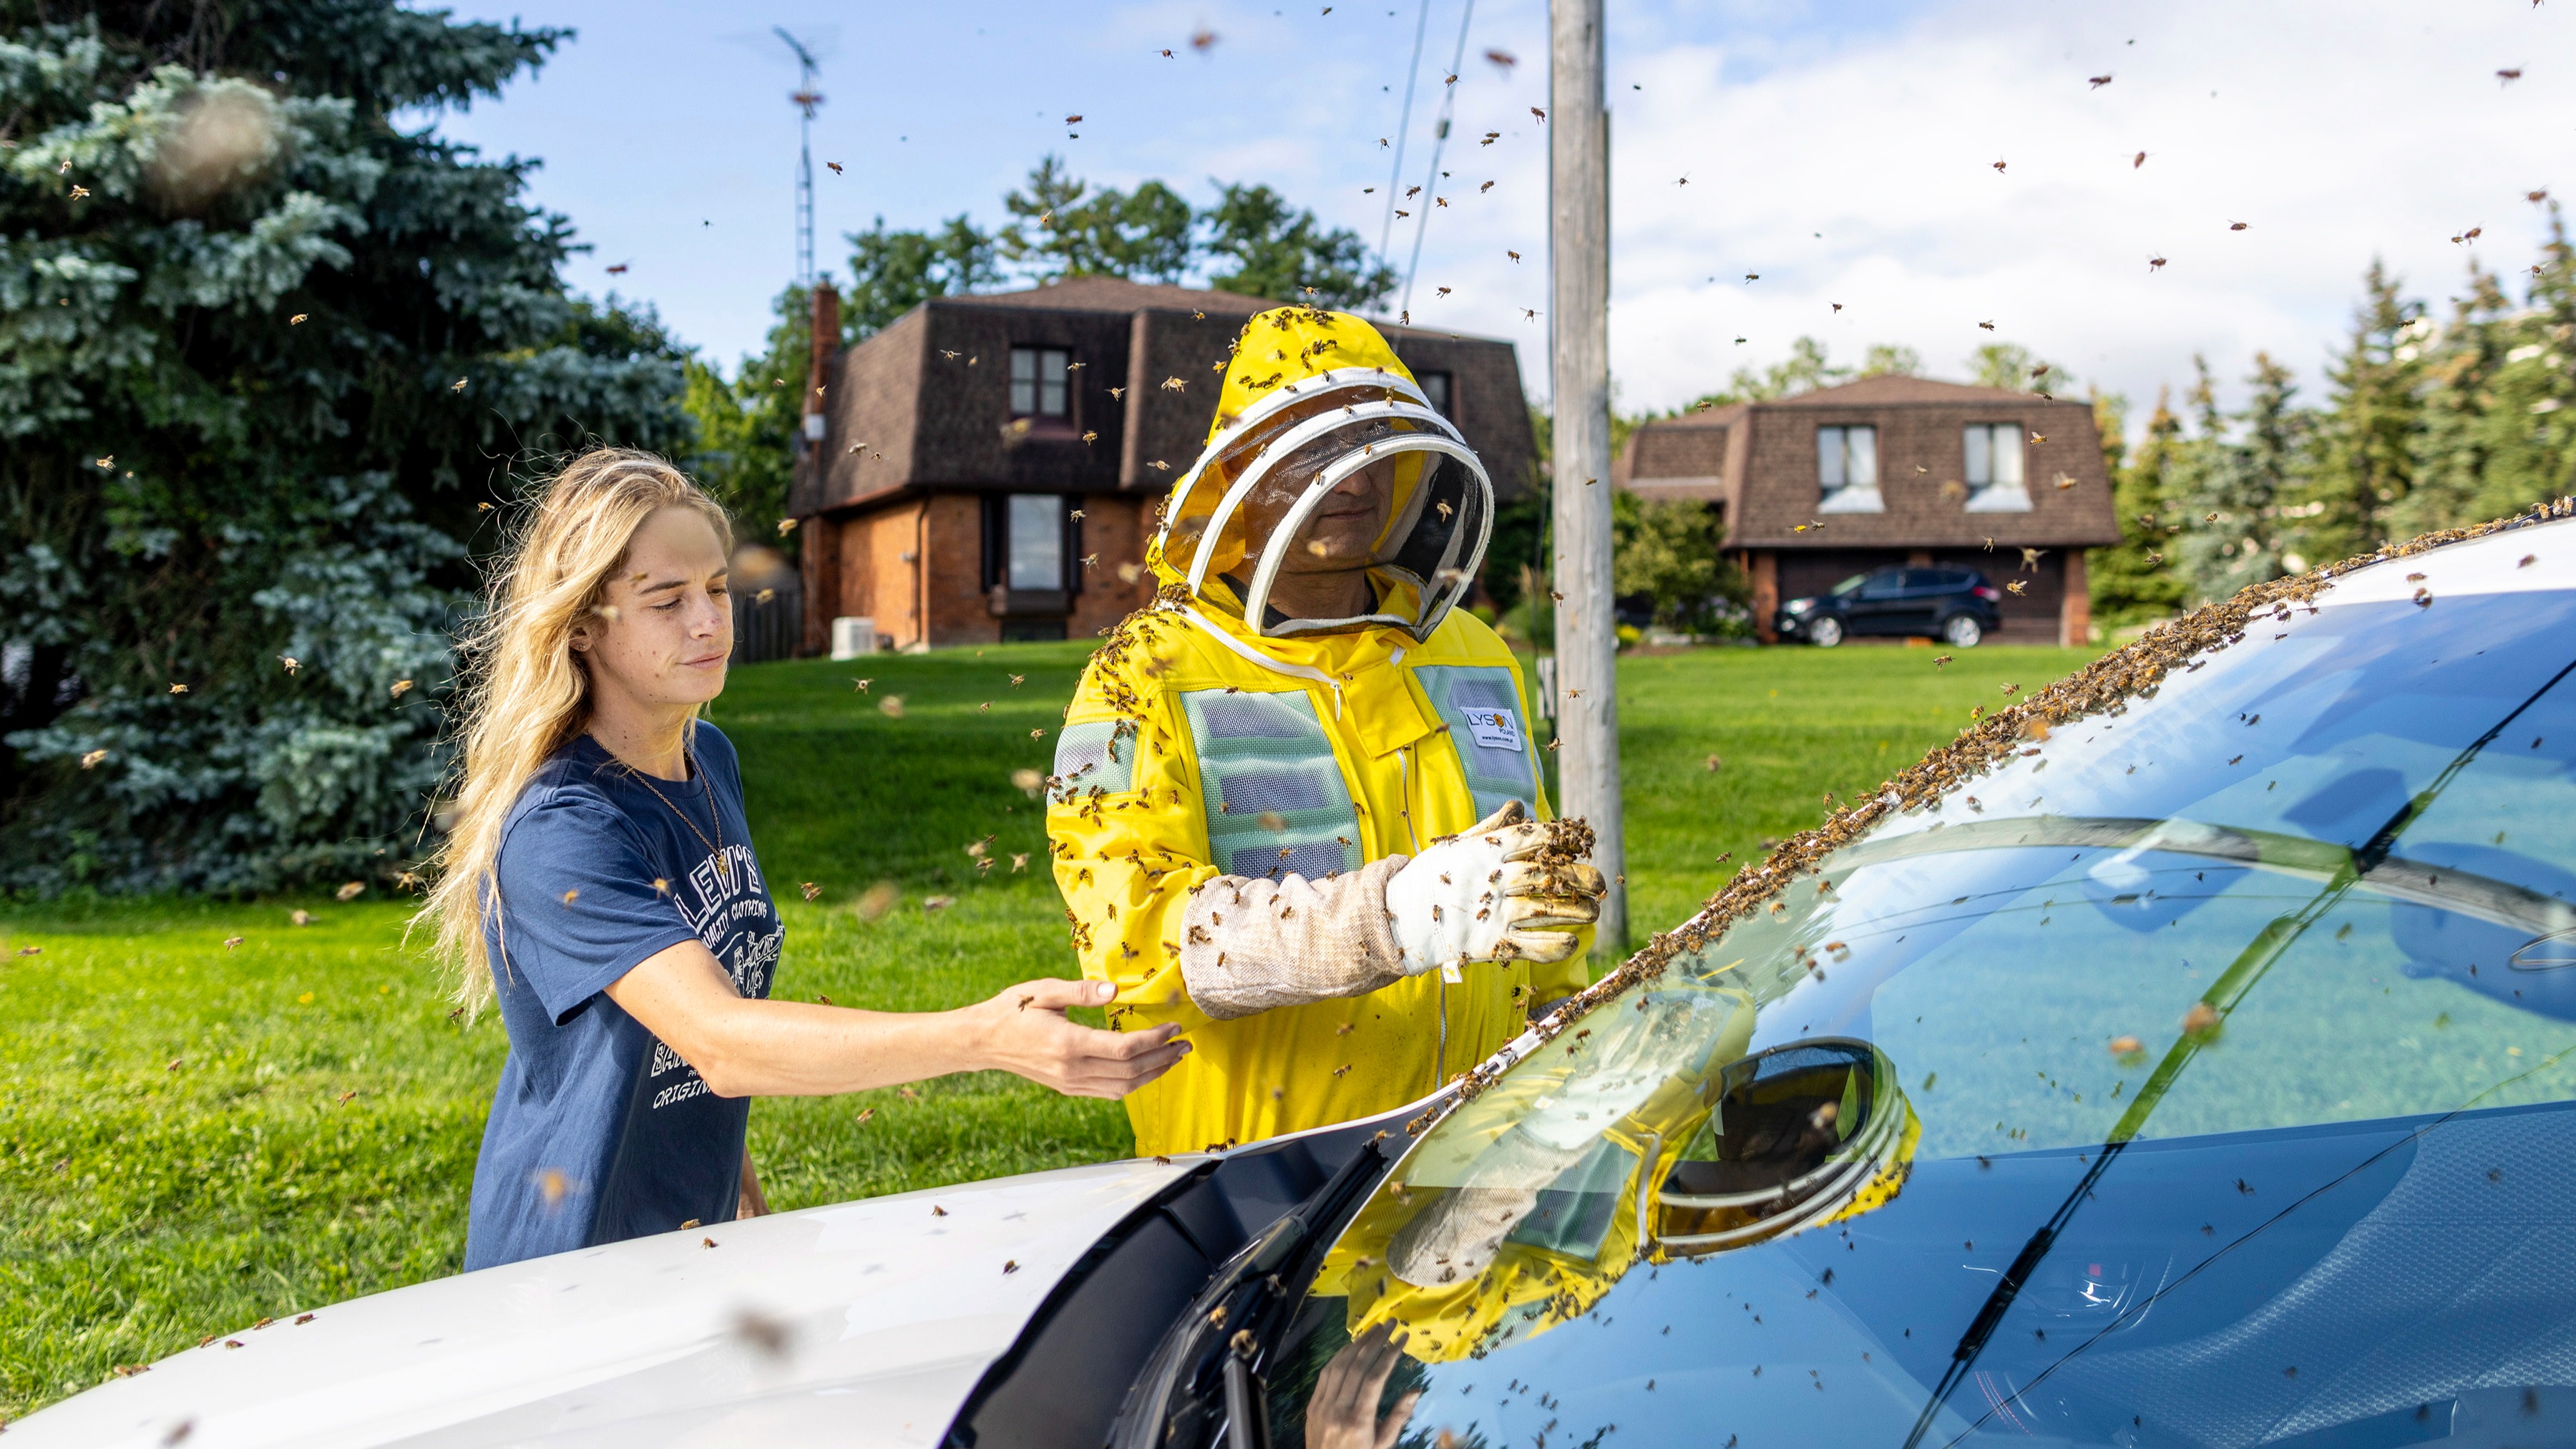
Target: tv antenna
807,100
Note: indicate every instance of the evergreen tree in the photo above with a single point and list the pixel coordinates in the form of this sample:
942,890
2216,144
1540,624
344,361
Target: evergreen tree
269,350
2451,445
2365,463
2234,485
2528,433
2136,581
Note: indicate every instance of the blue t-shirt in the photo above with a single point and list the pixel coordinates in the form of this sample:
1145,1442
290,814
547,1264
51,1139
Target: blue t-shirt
599,1131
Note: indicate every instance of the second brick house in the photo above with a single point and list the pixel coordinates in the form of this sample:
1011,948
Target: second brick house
1818,487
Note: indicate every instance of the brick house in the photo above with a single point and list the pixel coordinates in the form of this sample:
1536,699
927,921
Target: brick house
1895,470
987,467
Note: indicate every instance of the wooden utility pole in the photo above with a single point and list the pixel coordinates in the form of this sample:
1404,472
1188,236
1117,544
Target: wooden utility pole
1587,643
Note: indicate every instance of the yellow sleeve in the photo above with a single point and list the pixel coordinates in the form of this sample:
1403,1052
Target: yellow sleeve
1129,842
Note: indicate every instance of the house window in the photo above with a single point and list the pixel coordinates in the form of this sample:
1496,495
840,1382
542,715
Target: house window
1033,541
1994,469
1038,382
1435,386
1847,469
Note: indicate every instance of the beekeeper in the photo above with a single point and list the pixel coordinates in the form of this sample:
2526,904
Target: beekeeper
1296,807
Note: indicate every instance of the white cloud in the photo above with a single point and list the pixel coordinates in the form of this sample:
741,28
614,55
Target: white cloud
2337,131
2341,129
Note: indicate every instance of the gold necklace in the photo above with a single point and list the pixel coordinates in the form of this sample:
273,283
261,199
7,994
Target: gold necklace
715,847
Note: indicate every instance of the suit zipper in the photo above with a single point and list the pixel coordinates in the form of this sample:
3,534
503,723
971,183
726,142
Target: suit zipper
1440,987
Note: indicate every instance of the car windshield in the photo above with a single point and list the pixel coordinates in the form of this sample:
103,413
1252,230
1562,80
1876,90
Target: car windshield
1850,586
2199,1075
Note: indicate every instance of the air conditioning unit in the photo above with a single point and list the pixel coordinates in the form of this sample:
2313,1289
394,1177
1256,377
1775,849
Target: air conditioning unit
853,636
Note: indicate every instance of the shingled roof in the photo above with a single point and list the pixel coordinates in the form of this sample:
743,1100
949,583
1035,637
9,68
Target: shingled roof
1758,459
1117,294
924,403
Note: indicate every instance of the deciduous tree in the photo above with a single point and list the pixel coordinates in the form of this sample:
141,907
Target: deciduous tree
1280,252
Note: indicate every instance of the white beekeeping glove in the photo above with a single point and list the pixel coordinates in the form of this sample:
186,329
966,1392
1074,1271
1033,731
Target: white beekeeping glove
1496,892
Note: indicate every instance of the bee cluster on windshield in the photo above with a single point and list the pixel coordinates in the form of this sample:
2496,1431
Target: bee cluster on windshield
2105,686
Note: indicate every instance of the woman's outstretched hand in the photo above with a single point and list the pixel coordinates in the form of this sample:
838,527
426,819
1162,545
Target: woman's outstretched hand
747,1048
1024,1031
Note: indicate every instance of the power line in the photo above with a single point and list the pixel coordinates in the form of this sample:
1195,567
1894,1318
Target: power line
1403,125
1439,143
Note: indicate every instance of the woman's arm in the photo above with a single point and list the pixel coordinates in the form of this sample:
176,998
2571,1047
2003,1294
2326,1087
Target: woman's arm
755,1203
746,1048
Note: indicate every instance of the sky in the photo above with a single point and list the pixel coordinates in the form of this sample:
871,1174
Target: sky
1779,167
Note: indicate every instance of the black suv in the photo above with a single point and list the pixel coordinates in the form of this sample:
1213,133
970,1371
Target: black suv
1956,606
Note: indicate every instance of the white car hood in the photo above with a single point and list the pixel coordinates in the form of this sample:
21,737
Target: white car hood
864,1324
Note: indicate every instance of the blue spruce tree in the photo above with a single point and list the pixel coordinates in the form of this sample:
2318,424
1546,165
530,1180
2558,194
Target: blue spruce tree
271,352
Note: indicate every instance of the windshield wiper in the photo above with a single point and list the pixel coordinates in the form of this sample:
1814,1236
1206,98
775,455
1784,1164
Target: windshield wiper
1206,1357
2221,999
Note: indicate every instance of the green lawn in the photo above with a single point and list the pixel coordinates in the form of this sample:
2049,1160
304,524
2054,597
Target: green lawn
194,1136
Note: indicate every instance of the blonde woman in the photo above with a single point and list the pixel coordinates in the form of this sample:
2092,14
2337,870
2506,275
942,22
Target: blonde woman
600,883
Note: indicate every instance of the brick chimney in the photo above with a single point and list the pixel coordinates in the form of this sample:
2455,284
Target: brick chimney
826,328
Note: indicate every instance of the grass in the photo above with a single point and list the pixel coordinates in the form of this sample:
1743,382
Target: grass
195,1135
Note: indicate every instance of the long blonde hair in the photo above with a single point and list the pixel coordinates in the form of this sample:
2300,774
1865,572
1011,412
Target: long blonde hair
525,692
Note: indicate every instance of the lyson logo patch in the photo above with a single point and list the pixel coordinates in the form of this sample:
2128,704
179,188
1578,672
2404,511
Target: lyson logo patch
1494,729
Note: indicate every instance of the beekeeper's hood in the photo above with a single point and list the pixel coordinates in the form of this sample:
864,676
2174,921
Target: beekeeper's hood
1325,457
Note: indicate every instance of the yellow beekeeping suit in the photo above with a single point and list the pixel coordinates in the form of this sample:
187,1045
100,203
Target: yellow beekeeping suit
1196,748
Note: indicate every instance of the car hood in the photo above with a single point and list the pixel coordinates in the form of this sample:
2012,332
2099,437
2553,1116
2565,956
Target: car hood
867,1323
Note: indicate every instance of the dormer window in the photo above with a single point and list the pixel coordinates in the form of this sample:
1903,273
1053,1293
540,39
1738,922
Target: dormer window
1994,469
1435,387
1039,378
1847,469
